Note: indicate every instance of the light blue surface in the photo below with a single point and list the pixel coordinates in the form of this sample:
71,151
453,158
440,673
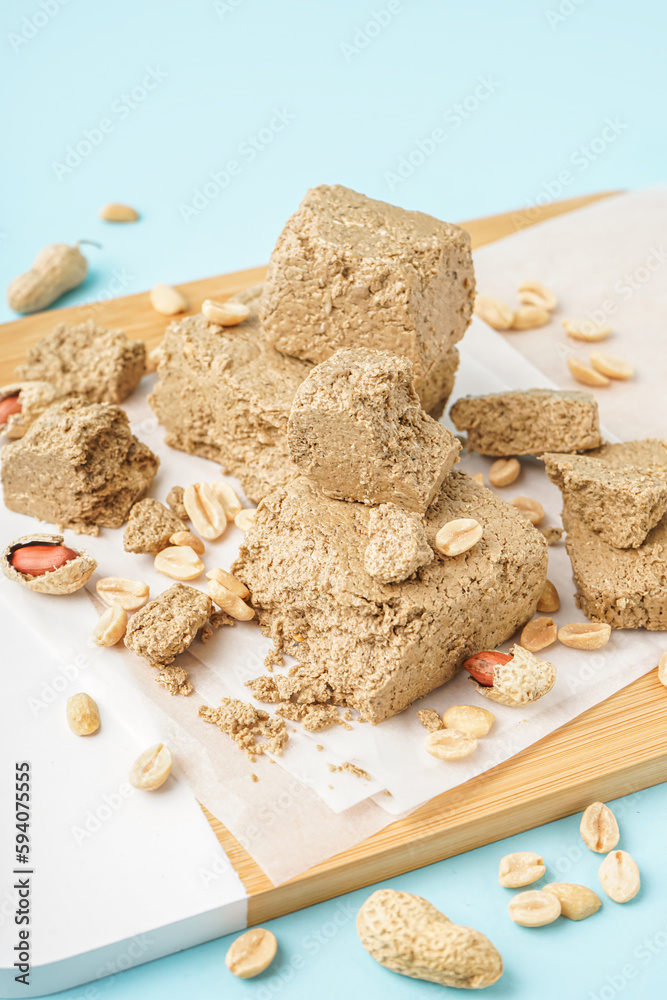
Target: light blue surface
522,95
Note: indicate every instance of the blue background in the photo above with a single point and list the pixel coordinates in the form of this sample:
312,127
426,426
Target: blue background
460,110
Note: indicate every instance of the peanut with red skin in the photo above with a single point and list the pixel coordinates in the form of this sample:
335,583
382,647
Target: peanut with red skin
480,666
9,405
35,560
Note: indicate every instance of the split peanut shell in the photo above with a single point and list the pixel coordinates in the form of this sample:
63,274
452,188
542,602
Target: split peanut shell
66,579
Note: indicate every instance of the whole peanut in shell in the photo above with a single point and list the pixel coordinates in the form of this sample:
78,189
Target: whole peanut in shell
55,270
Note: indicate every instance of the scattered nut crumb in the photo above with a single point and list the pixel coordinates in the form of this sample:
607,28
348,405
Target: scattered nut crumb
245,723
358,772
430,719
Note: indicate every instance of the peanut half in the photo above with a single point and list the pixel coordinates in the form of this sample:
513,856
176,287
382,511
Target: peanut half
251,953
504,472
228,498
187,538
83,715
114,211
205,510
118,592
530,509
469,719
179,562
549,599
225,313
522,678
619,877
494,312
151,768
611,366
245,518
585,329
230,582
449,744
538,634
111,627
585,635
576,901
587,376
168,301
229,602
530,318
598,828
534,293
458,536
520,868
534,908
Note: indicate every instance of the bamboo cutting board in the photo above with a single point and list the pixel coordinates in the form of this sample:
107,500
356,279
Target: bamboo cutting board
615,748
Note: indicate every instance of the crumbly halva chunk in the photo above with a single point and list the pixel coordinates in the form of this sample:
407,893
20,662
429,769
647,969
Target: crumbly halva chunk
254,730
175,502
32,399
150,526
87,360
528,422
627,588
621,504
357,429
225,394
78,466
397,544
348,271
167,625
381,646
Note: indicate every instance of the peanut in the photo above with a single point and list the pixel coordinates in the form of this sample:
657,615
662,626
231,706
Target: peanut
585,635
408,935
151,768
530,509
534,908
180,562
482,666
9,406
153,360
478,477
118,592
83,716
458,536
504,472
549,599
35,560
110,628
449,744
228,498
229,602
42,563
520,868
469,719
587,376
114,211
168,300
534,293
585,329
619,876
205,510
225,313
187,538
598,828
538,634
229,581
611,366
662,669
251,953
576,901
55,270
245,518
530,318
494,312
522,679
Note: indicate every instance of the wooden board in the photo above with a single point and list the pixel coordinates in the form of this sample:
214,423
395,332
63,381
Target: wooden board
611,750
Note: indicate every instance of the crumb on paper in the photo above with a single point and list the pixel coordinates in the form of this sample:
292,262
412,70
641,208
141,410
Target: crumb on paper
358,772
552,535
319,747
313,717
175,680
217,619
274,658
175,502
281,687
430,719
386,792
247,724
253,777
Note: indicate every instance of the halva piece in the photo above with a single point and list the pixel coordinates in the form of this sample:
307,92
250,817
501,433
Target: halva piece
87,360
357,429
167,625
621,504
528,422
348,271
627,588
150,526
381,646
397,544
225,394
78,466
